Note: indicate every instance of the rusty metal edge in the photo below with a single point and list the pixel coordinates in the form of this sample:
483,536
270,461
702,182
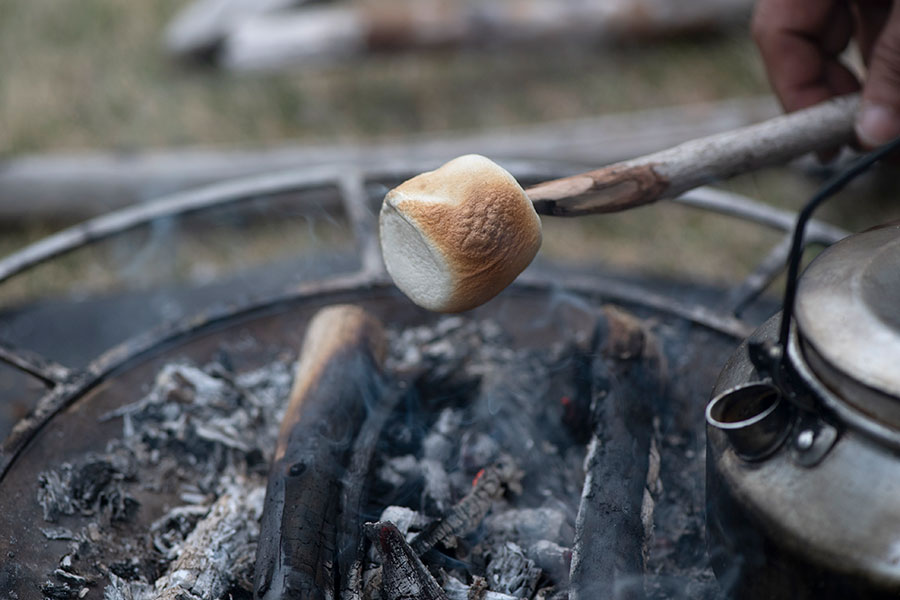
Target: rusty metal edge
158,339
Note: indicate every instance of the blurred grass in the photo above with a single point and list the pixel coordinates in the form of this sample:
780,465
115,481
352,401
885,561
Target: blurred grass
92,74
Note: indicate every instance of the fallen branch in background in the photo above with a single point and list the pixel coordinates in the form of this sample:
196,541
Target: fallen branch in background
202,25
78,186
274,40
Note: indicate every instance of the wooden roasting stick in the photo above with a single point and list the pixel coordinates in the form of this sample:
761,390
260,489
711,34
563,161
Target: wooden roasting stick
671,172
453,238
339,372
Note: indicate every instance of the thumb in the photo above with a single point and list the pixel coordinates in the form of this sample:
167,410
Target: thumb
879,116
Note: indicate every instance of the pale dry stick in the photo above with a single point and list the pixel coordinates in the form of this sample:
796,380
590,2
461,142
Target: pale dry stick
671,172
203,569
78,186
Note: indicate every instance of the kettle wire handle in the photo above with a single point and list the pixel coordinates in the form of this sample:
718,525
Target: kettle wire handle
831,187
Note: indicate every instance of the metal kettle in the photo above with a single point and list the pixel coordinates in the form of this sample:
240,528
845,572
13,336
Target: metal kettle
803,437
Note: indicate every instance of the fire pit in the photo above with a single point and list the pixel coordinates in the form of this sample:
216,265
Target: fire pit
589,389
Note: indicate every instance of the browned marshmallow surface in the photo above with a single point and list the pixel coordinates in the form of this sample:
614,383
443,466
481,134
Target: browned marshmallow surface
453,238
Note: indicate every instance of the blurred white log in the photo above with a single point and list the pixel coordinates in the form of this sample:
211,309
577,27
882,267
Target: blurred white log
202,24
77,186
274,40
278,40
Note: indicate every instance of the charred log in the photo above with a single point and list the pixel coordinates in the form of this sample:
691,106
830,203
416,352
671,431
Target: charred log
607,559
353,495
203,569
468,513
404,577
338,376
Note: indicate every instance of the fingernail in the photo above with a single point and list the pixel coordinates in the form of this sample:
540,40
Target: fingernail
877,124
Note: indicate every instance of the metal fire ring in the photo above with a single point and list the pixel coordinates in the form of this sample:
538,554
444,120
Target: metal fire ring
66,384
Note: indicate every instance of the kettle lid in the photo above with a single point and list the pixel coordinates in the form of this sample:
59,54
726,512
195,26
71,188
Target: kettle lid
848,320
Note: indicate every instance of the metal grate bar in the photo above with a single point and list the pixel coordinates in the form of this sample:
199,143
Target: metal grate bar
354,196
742,207
767,270
363,222
761,278
49,372
639,296
183,203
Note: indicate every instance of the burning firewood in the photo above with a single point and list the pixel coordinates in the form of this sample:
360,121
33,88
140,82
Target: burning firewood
338,376
350,538
607,559
469,512
404,577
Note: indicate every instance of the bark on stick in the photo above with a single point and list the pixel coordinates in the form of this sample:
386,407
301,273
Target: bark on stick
671,172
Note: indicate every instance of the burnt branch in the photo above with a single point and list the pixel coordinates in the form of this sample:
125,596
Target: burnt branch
607,559
671,172
338,374
353,493
468,513
404,577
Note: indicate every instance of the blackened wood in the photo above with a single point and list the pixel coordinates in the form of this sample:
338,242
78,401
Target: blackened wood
404,577
339,369
468,513
353,494
672,172
607,559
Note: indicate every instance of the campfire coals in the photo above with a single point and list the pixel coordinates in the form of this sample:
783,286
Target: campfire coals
202,431
94,484
198,433
479,469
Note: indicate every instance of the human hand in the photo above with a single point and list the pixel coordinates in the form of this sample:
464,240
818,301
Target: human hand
801,41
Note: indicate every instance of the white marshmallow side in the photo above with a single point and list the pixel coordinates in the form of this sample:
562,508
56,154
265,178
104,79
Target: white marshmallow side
416,266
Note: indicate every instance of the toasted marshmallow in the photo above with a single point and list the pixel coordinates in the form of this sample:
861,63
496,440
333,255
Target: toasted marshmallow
453,238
